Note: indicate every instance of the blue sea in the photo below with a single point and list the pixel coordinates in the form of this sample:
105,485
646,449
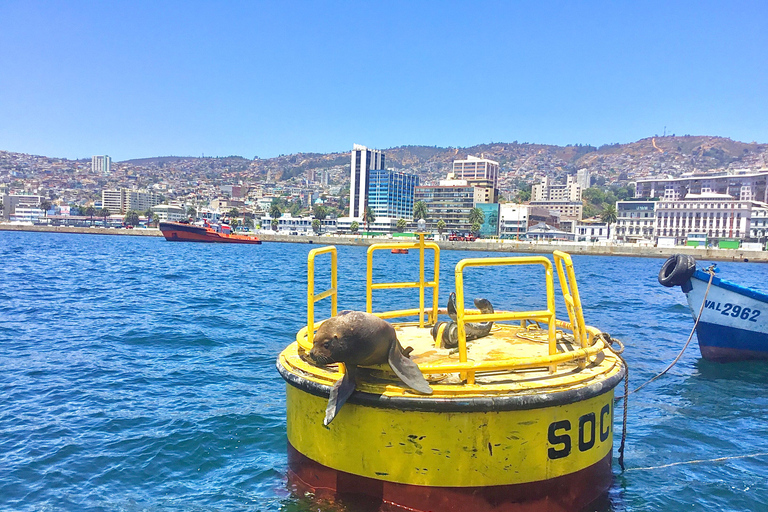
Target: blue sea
139,375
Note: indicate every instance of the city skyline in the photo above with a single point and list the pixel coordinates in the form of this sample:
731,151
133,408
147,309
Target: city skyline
261,79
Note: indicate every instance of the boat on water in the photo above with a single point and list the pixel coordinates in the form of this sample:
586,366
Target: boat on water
734,320
399,250
214,233
520,418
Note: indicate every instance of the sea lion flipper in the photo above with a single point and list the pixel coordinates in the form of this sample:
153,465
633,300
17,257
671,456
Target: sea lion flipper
407,370
340,391
452,306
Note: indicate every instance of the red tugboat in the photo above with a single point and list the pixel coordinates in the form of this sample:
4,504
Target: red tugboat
185,232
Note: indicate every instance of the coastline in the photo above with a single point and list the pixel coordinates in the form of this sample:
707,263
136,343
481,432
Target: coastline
507,246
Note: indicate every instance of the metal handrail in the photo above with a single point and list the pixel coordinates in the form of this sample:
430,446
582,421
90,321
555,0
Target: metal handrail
570,290
421,284
547,315
332,292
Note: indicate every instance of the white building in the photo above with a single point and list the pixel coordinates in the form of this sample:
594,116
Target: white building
364,160
548,191
720,216
125,200
513,220
592,232
171,213
101,164
758,228
583,179
635,220
13,201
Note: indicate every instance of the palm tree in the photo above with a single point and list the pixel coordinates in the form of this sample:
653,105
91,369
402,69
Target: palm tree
148,215
275,224
440,226
401,223
89,211
104,213
476,216
275,211
131,218
316,225
354,226
420,210
155,219
191,212
368,217
475,227
45,206
609,216
320,212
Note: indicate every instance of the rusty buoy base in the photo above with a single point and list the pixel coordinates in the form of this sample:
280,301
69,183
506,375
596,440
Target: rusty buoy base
568,493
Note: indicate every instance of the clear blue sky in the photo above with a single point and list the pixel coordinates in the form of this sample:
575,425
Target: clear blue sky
138,79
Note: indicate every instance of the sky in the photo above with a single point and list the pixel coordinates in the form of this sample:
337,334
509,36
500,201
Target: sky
140,79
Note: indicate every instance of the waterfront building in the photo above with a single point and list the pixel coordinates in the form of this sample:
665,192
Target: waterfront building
543,231
287,224
364,161
758,228
27,215
170,212
635,220
101,164
513,220
720,216
743,185
588,231
125,200
391,193
13,201
490,225
450,201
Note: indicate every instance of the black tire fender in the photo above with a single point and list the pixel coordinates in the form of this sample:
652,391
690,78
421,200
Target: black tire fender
677,270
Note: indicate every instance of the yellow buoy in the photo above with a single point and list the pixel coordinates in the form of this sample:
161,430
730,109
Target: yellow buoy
520,419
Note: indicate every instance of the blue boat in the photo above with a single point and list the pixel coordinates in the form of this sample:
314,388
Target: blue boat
734,321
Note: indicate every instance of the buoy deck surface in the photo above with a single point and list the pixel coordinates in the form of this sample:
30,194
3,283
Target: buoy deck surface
504,343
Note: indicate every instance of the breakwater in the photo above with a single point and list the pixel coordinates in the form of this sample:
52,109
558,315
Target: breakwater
506,246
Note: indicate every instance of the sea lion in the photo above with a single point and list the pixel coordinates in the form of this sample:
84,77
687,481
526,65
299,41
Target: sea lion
450,337
356,338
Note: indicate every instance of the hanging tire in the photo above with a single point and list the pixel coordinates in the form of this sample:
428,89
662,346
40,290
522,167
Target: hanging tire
677,270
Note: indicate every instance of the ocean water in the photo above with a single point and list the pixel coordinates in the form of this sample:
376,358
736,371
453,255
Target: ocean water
138,375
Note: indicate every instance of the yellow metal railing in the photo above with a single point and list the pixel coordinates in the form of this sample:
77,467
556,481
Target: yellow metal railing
584,335
547,315
570,290
332,292
421,284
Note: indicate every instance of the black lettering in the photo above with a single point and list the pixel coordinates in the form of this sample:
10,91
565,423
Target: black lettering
585,445
755,314
605,425
563,439
726,308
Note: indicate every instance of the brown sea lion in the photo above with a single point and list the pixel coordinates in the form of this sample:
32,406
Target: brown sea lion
356,338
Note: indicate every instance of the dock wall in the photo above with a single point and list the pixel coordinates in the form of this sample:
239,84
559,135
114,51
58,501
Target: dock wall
504,246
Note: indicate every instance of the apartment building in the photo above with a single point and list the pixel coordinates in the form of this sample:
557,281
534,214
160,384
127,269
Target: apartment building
635,220
450,201
125,200
742,185
364,161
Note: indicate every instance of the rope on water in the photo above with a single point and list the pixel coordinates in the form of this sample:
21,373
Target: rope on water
700,461
711,272
617,352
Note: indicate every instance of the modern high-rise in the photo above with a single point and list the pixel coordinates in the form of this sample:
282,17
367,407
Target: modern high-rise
364,161
101,164
391,193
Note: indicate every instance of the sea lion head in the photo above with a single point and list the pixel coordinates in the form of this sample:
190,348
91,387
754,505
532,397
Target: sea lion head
331,341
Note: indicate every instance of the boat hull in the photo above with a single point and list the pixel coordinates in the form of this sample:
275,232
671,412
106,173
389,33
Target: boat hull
734,321
178,232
